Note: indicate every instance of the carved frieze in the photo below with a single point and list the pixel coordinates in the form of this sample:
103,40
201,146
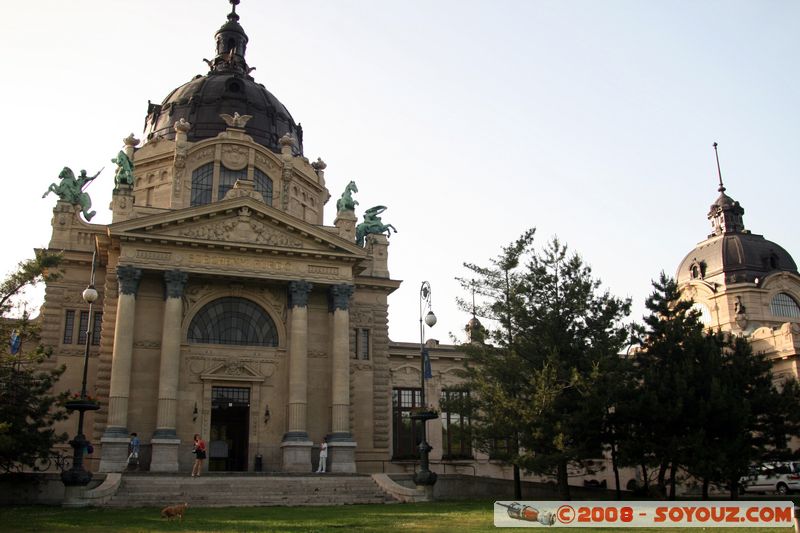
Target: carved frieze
265,162
361,317
200,156
151,255
147,345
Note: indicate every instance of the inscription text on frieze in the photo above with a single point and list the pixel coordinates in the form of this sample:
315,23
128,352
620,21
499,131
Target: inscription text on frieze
240,262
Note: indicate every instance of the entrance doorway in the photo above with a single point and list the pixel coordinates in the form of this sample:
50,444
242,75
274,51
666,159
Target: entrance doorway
230,417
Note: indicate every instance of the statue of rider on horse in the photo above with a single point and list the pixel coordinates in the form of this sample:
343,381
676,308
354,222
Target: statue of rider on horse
70,189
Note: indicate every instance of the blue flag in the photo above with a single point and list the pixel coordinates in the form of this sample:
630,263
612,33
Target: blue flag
15,343
427,363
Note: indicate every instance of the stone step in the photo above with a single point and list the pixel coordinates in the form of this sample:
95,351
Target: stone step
231,490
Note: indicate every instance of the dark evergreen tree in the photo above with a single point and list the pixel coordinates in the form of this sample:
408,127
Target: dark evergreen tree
539,378
495,372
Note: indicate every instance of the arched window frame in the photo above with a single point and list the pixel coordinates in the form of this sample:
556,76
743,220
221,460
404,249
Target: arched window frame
212,180
217,305
784,305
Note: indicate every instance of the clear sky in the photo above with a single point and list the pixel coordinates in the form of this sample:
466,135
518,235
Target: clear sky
472,120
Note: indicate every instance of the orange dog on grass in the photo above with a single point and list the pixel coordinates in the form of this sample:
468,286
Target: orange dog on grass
174,511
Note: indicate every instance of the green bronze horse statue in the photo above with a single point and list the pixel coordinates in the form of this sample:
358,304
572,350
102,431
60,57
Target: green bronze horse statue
373,225
70,189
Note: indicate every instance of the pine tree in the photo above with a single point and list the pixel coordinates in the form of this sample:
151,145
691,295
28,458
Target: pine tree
538,380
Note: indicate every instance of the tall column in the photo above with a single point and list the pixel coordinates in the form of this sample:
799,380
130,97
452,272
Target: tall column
296,445
115,438
165,440
340,443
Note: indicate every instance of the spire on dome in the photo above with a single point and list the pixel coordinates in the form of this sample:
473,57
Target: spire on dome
725,213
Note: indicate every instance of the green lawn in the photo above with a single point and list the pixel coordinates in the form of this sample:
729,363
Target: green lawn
459,517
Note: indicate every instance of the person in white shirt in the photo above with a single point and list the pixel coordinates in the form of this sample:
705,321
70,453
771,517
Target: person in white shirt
323,455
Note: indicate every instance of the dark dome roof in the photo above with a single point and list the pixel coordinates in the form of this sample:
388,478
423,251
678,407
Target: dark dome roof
202,100
227,88
735,258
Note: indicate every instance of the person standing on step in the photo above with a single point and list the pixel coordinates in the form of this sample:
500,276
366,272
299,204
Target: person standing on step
199,451
323,455
133,451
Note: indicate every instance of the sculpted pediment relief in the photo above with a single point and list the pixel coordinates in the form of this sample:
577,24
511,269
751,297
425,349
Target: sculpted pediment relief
239,221
242,228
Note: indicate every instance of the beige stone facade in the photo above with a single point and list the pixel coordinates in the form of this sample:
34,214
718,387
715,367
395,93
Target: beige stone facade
162,261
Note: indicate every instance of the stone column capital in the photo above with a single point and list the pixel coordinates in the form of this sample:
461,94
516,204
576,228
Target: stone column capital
339,297
129,278
175,282
298,293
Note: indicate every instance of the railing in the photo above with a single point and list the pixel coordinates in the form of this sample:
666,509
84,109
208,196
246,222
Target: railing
412,462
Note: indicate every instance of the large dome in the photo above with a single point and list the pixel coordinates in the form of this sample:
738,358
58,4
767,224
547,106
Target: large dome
735,258
227,88
732,254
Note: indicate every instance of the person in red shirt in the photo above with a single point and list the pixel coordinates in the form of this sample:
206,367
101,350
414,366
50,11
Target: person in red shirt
199,451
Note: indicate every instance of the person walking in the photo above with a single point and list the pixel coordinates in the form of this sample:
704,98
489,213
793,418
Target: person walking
199,451
323,455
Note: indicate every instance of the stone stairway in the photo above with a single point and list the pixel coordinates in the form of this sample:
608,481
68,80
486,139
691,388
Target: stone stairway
242,490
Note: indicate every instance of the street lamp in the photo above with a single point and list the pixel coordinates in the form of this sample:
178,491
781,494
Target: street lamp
78,476
424,476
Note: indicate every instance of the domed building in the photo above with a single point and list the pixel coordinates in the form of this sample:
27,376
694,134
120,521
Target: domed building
225,306
745,284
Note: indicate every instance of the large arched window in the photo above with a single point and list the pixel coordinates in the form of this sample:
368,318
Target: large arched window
263,184
784,305
202,178
231,320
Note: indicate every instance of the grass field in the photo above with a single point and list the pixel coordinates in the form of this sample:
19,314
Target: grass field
458,517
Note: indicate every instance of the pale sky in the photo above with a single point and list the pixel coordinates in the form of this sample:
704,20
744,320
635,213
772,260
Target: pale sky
472,120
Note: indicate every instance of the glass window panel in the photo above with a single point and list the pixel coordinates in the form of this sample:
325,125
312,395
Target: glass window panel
785,306
97,328
69,326
263,184
363,344
202,178
83,325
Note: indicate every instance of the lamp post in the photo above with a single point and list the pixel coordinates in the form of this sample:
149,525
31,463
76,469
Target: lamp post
77,475
424,476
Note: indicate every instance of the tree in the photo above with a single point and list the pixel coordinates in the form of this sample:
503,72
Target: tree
28,409
703,402
537,380
495,371
657,414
